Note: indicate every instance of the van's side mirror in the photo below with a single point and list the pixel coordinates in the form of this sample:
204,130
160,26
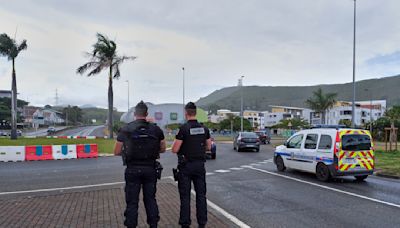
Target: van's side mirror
285,143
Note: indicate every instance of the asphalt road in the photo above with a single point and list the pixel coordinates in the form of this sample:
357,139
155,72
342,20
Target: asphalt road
245,184
97,130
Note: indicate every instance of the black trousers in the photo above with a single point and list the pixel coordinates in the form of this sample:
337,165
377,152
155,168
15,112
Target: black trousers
195,172
138,177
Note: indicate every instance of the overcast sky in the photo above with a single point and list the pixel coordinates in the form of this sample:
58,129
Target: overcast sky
270,42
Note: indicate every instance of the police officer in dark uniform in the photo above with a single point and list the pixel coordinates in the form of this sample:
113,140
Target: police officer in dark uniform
140,143
191,143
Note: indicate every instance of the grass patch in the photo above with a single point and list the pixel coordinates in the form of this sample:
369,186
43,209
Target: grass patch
104,145
388,162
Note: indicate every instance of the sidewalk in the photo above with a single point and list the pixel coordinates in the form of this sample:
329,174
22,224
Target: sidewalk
94,208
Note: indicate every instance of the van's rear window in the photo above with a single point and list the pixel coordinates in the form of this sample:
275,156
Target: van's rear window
356,142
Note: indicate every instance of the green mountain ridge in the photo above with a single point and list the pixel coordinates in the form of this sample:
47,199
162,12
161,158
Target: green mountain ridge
261,97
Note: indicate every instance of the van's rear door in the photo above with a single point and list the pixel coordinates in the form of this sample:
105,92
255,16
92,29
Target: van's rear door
356,153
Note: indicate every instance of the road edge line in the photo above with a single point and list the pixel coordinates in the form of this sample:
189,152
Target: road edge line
220,210
326,187
63,188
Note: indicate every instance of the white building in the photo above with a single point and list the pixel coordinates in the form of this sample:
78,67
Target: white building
279,113
47,117
365,112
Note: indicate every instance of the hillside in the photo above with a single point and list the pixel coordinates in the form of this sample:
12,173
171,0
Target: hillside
99,114
260,97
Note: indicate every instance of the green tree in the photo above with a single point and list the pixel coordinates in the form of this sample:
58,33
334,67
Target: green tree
295,123
226,124
345,122
73,115
10,49
104,56
321,102
5,109
211,125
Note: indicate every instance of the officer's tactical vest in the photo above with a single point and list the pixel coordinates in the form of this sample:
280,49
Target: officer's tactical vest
194,145
142,146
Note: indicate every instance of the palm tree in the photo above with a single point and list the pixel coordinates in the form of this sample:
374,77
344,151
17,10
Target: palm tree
10,49
321,102
104,56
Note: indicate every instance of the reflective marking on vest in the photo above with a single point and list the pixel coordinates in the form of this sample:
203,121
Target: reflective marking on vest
197,131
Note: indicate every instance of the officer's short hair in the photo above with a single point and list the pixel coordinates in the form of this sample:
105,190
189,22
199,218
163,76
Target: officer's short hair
191,109
141,109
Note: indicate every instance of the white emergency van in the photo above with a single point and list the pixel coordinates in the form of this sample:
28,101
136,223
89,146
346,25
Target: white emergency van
328,152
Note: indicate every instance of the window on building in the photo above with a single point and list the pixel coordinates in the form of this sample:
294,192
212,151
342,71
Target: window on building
345,112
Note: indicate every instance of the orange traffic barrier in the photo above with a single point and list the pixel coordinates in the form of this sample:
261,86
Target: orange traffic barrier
87,151
36,153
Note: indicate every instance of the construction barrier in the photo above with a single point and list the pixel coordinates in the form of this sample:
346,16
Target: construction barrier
64,152
35,153
87,151
12,153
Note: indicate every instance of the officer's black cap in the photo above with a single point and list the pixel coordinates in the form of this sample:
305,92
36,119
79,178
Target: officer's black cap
141,108
190,106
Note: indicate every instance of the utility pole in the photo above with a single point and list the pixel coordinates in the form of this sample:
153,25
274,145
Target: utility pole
241,102
183,92
56,98
354,69
127,81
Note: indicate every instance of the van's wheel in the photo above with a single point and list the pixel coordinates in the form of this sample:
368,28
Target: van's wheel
322,172
361,178
280,166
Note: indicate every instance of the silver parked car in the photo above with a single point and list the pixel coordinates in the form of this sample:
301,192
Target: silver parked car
246,141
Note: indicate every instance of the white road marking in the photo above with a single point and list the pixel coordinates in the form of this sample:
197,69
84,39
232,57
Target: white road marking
208,174
69,188
235,168
254,164
229,216
222,171
327,188
246,166
59,189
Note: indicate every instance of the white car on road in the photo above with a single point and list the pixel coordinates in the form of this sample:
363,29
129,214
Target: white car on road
328,152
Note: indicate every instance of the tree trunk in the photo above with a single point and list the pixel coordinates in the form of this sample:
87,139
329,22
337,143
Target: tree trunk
13,103
323,117
110,106
393,136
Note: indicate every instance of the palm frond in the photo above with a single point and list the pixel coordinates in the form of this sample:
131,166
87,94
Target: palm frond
82,69
96,70
22,46
116,71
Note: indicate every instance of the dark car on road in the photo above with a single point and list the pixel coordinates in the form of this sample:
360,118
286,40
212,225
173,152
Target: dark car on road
246,141
264,137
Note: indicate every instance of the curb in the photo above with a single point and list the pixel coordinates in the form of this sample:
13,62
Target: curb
106,155
386,175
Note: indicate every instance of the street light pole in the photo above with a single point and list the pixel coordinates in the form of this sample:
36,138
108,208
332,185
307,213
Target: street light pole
127,81
354,69
183,91
241,103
